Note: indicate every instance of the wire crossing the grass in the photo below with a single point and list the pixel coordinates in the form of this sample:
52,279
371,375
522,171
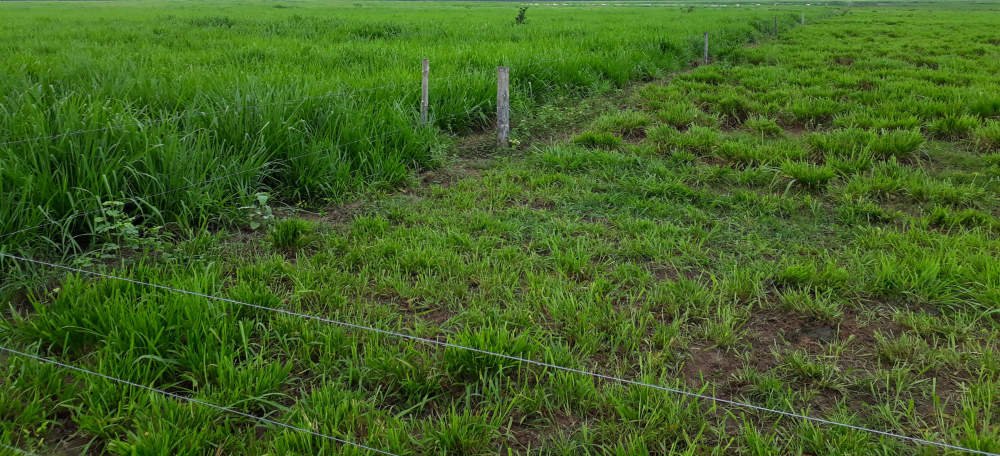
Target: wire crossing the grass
196,401
595,375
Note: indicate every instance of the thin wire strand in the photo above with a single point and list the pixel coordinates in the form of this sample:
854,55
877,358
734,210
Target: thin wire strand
196,401
15,449
268,164
519,359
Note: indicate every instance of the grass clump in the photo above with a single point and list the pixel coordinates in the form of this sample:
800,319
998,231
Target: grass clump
755,153
808,175
968,218
762,126
842,142
697,139
683,115
814,111
291,234
897,144
626,123
858,143
988,136
598,140
953,127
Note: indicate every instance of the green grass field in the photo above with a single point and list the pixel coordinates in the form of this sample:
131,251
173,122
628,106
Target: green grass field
808,224
67,67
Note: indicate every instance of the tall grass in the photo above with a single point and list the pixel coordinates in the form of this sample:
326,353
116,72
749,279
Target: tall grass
87,66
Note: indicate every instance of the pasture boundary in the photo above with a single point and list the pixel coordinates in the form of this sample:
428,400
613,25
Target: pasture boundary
503,128
596,376
424,121
502,131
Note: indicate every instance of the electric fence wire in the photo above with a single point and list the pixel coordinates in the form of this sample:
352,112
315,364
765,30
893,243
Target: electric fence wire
195,401
595,375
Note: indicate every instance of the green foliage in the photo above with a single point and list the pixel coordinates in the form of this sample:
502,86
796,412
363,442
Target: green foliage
698,270
598,140
625,123
291,234
681,116
814,111
896,144
856,142
953,127
274,96
762,126
808,175
520,19
988,136
699,140
259,212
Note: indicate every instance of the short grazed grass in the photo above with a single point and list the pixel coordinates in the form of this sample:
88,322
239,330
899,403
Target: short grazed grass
833,267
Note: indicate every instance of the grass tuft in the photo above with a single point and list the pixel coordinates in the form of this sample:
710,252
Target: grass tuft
598,140
762,126
953,127
808,175
988,136
291,234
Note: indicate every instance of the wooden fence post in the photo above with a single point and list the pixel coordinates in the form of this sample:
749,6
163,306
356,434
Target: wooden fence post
503,105
706,48
803,18
425,101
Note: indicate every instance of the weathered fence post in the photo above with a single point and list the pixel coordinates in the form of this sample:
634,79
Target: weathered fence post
803,18
425,101
503,105
706,48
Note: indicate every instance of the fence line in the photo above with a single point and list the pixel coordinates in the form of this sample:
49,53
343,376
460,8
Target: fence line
196,401
139,199
609,378
294,100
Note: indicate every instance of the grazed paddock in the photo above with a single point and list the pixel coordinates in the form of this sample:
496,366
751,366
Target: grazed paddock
807,224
